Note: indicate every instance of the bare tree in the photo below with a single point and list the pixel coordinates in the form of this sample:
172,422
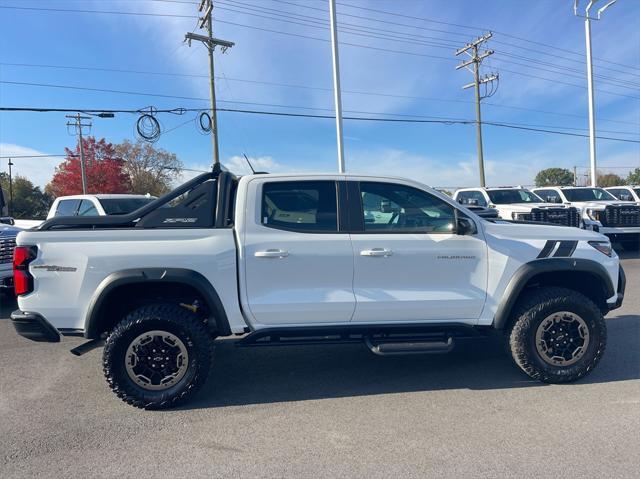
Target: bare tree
151,170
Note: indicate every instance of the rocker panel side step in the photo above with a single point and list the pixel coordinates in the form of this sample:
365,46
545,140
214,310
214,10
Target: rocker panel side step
415,347
403,333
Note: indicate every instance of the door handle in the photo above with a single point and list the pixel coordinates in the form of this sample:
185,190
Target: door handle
376,252
272,253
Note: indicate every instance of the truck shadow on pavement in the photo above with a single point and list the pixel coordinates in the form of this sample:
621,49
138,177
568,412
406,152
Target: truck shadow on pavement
283,374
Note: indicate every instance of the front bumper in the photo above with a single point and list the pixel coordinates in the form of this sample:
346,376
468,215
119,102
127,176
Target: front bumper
622,284
34,327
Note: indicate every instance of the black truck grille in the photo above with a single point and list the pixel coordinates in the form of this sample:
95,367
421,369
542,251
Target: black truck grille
7,245
559,216
618,215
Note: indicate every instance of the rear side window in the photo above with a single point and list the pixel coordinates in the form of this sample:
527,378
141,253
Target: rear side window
67,207
304,206
87,208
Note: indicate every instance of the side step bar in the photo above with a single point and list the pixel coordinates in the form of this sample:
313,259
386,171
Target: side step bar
415,347
403,338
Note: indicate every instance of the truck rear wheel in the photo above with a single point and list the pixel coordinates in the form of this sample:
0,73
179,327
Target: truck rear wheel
558,335
158,356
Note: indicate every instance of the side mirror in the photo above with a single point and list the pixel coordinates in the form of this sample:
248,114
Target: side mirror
465,226
7,220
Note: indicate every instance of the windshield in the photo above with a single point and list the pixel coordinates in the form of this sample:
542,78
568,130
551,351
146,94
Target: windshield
122,206
517,195
588,194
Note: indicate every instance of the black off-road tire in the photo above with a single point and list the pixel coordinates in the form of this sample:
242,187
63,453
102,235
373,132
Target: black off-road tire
531,311
171,318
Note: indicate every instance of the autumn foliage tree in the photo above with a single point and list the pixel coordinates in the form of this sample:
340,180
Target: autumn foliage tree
104,171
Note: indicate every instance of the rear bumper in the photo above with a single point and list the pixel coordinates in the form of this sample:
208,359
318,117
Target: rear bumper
34,327
622,284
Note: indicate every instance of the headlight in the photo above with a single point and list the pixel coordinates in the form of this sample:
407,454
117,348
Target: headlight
603,246
594,214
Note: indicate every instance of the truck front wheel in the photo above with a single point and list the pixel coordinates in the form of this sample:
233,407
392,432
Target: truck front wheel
558,335
158,356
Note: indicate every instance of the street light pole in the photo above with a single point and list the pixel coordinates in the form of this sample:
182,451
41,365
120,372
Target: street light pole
590,93
336,84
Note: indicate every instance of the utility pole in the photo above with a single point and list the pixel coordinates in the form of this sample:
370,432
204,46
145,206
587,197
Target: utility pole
10,189
474,62
336,84
575,176
77,123
206,21
592,119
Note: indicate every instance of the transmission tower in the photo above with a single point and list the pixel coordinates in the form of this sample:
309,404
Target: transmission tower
473,65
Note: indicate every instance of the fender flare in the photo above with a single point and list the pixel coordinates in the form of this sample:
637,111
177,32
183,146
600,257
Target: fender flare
547,265
155,275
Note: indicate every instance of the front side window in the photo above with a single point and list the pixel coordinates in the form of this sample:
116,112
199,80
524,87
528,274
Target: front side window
517,195
67,207
588,194
392,208
87,208
304,206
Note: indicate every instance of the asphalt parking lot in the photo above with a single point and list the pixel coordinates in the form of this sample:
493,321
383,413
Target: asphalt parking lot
327,411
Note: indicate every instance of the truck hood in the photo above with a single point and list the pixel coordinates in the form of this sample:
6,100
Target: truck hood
599,205
507,230
8,231
527,207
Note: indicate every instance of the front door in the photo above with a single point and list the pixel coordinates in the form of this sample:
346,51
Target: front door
410,265
299,265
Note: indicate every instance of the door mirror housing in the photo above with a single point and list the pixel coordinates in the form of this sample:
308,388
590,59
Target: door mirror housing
465,226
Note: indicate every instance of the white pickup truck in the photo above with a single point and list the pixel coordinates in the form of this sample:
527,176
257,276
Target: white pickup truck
308,259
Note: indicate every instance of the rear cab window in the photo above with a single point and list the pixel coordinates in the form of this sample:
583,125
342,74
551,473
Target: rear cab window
67,207
302,206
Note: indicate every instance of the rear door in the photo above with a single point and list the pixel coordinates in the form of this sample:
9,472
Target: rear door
297,255
410,265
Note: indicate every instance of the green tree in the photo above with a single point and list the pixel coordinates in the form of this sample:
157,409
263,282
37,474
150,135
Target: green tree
554,177
609,179
150,170
29,201
634,177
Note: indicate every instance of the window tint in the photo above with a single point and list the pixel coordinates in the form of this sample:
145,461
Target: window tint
305,206
87,208
588,194
517,195
122,206
549,196
472,197
393,208
67,207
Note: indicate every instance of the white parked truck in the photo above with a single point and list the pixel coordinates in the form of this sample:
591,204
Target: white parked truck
601,211
626,192
97,205
310,259
519,204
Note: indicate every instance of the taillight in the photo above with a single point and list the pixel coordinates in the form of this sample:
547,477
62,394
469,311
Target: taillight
22,279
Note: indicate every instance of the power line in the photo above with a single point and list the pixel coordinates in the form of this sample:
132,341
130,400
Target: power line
415,119
307,87
387,34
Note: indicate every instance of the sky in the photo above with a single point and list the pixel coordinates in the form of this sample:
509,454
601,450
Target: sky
397,61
